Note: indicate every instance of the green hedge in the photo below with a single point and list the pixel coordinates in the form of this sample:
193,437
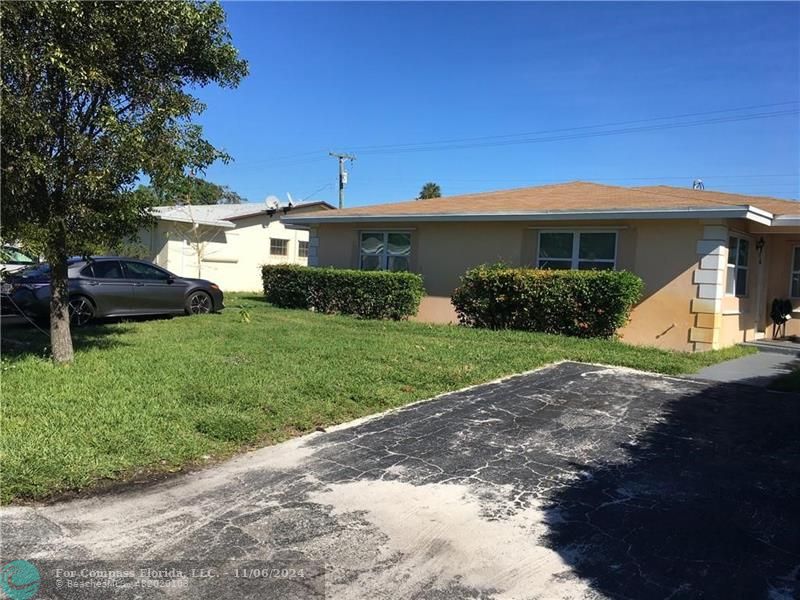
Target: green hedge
366,294
577,303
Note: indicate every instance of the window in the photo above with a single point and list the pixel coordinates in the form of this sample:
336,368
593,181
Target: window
795,291
137,270
107,269
302,249
736,281
577,250
385,251
278,247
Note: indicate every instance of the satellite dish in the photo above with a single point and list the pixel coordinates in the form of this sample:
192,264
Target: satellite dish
272,203
697,184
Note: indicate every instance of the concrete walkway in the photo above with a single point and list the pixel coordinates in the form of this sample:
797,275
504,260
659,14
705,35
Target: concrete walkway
756,369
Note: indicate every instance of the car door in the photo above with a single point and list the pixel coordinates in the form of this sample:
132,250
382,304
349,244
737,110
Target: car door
156,290
107,285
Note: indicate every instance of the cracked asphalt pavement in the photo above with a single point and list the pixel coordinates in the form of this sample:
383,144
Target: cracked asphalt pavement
573,481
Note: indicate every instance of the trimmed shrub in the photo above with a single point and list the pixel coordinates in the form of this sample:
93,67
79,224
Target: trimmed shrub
366,294
577,303
286,286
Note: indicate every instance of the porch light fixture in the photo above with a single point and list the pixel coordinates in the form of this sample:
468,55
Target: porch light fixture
760,248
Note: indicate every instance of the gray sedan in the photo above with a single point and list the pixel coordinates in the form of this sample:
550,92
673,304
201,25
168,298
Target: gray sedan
111,286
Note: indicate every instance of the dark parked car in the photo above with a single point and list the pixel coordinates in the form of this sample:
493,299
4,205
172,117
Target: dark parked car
111,286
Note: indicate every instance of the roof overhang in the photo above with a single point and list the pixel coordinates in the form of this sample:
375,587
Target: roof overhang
206,223
750,213
786,221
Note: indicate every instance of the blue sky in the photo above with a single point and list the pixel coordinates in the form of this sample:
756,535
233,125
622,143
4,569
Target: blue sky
347,76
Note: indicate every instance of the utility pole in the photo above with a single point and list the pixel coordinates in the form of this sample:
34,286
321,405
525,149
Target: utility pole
342,173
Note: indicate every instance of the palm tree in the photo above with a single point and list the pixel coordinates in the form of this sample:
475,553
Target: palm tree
430,190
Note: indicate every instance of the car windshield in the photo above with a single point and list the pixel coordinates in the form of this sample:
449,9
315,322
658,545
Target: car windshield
41,269
14,256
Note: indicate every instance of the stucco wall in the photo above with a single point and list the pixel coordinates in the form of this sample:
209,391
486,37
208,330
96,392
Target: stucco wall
745,318
663,253
739,317
231,257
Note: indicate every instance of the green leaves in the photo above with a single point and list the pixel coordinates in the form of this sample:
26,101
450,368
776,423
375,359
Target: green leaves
366,294
190,190
95,96
578,303
430,190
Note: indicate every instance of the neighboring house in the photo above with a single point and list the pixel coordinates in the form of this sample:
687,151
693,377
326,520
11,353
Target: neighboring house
711,262
227,243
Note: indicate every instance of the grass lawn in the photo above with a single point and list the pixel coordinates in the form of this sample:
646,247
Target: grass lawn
157,396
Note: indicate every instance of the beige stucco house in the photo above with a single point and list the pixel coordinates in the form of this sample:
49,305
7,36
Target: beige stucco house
227,243
712,263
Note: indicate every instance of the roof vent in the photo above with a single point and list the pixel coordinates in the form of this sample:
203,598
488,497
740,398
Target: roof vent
697,184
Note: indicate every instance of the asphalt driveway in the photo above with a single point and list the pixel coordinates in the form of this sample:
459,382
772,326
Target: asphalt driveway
574,481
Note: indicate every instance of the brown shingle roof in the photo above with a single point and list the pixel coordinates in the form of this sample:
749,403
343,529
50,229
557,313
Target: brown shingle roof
573,196
774,205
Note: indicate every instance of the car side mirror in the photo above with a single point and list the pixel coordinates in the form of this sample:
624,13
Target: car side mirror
170,280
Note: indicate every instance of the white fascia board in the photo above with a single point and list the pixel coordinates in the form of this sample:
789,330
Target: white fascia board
733,212
176,219
786,221
760,211
759,215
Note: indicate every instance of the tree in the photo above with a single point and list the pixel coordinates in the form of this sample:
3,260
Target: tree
191,190
230,197
93,97
430,190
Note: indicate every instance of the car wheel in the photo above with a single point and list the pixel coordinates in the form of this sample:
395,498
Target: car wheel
199,303
81,310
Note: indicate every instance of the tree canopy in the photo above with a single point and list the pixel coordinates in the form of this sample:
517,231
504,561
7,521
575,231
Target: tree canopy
430,190
190,190
94,94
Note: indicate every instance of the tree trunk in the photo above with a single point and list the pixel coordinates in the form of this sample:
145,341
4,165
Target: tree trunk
60,337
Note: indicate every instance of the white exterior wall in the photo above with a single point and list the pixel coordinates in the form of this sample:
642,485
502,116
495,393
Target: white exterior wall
232,258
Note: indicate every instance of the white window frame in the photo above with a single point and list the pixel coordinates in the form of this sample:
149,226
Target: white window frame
736,267
795,270
285,246
576,241
299,248
384,266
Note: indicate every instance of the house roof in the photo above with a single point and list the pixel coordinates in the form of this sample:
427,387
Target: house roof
223,215
574,200
776,206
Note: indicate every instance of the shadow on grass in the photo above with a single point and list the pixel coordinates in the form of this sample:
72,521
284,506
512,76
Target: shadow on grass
22,340
707,504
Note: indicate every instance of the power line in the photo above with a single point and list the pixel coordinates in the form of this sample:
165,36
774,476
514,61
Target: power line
324,187
582,178
503,140
541,132
586,135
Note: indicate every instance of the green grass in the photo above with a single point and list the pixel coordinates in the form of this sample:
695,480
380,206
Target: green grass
787,383
156,396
